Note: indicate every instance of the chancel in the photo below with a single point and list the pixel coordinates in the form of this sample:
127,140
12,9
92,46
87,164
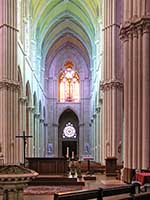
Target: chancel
75,76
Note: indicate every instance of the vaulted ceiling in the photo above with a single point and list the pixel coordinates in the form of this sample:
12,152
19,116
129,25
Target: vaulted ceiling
59,23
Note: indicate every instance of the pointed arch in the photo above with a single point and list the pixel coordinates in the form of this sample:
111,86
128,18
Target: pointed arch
68,130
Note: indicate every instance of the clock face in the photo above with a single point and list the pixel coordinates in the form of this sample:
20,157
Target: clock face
69,131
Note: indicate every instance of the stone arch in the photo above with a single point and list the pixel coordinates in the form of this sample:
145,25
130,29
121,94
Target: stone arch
67,108
68,119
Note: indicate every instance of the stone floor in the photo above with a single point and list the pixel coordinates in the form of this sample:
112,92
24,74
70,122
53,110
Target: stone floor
101,181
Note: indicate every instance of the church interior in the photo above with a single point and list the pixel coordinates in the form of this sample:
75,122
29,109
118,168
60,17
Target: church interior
75,84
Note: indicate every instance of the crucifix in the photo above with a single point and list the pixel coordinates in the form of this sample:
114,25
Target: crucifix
24,137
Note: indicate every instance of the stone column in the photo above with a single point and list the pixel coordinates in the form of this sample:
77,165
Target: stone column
98,134
8,79
45,138
136,29
125,63
112,85
36,133
135,96
41,137
30,140
146,97
21,125
130,99
139,127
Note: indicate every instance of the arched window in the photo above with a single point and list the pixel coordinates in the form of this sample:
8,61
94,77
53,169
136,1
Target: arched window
68,84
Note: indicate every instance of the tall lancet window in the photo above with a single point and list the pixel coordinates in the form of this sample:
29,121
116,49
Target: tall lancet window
68,84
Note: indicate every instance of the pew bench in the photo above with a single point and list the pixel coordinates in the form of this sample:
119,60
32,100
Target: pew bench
140,196
97,193
79,195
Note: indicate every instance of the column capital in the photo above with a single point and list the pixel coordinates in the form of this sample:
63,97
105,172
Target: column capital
54,124
81,124
109,84
23,99
37,115
98,109
41,120
45,124
9,84
134,26
9,26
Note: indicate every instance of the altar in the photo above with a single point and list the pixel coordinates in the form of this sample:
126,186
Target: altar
48,166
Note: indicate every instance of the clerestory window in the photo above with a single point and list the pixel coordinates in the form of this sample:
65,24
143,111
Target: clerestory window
68,84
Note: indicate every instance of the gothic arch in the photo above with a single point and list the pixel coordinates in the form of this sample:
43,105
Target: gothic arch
68,133
67,108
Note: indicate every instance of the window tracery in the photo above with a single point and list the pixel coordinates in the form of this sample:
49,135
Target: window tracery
68,84
69,131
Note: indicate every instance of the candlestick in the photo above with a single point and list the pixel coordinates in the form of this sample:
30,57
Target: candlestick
72,154
67,155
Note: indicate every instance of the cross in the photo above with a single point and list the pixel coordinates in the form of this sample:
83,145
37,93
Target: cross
24,137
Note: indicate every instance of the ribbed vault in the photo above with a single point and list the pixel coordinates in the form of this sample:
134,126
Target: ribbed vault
59,23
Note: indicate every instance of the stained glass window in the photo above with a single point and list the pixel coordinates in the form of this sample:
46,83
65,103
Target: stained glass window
68,83
69,131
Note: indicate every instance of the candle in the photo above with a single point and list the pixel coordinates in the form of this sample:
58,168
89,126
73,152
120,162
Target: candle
67,155
72,154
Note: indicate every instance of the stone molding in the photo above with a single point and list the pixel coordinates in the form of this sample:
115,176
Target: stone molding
23,99
107,85
45,124
31,108
81,124
98,110
114,24
41,120
55,125
9,84
9,26
134,28
94,115
37,115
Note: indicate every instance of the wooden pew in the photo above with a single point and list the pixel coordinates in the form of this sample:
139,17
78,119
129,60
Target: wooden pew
140,196
119,190
98,193
79,195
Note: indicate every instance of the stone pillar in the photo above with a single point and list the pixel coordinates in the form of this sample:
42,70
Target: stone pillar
41,137
146,97
30,140
126,77
36,133
98,134
130,99
32,143
139,82
112,85
45,138
21,125
135,95
135,34
8,79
